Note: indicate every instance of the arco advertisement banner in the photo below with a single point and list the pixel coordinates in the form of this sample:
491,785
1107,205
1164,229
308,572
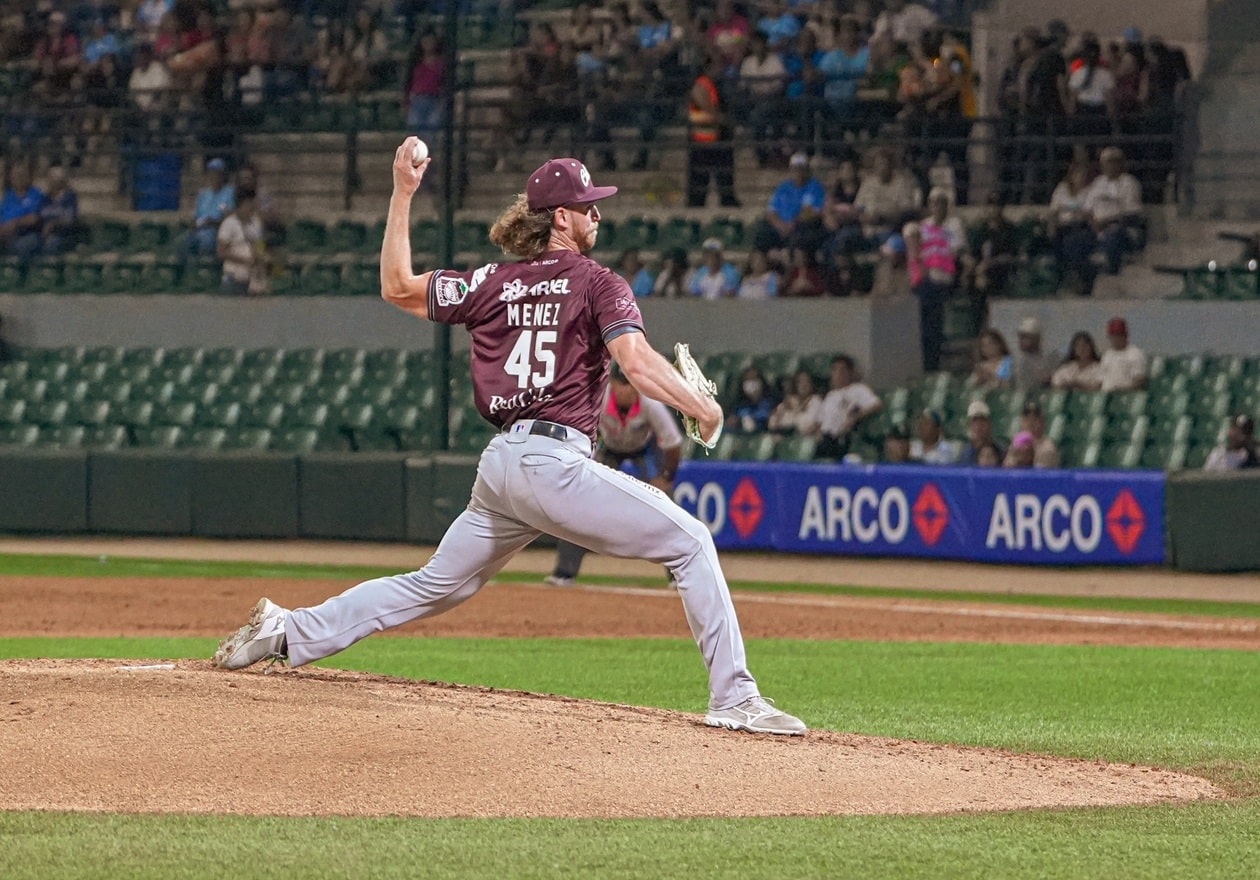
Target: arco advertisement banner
992,515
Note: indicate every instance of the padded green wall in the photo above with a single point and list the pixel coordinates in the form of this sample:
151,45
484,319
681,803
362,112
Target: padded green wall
1213,521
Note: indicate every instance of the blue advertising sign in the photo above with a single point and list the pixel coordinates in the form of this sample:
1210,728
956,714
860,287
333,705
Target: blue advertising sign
1026,516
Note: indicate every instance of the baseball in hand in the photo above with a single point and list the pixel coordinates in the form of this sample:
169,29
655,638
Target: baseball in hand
419,152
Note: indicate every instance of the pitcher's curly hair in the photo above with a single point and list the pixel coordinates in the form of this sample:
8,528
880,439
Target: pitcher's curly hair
521,232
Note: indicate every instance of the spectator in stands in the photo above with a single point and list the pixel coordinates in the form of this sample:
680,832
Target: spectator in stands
846,404
1044,101
291,49
750,414
1022,452
760,279
1114,204
900,22
994,366
988,455
674,274
241,248
806,278
805,84
930,445
896,445
1070,229
793,218
57,60
631,268
60,226
991,260
150,82
779,24
885,196
148,17
264,203
426,84
727,37
1081,370
800,411
1131,74
1092,88
710,152
1045,454
544,91
841,216
845,68
214,201
763,83
367,46
715,277
20,209
1167,97
1032,366
1238,452
1123,365
980,434
932,249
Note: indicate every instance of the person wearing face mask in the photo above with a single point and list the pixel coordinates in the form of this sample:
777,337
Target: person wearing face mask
845,405
752,409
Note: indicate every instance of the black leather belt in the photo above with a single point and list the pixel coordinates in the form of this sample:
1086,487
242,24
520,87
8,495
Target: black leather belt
549,429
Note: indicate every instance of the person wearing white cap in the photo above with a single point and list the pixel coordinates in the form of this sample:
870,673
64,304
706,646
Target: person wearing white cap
715,277
1114,204
794,216
979,434
1032,367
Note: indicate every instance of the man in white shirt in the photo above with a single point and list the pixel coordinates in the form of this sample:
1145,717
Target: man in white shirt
1238,452
1123,365
150,83
762,80
1114,204
844,406
240,247
931,446
632,428
900,22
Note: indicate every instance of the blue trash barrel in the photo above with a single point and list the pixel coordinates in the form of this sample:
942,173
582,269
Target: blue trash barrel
157,182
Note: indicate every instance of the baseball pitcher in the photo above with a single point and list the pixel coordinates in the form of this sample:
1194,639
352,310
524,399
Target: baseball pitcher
543,330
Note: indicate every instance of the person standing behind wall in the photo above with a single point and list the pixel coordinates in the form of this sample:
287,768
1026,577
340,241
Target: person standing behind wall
709,154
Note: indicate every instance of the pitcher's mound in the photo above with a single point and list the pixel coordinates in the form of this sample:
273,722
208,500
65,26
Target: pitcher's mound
147,736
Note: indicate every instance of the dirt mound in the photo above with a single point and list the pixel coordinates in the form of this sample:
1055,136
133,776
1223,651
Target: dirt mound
147,736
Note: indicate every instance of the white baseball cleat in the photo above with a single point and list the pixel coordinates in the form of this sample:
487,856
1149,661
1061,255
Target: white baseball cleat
756,715
260,639
558,581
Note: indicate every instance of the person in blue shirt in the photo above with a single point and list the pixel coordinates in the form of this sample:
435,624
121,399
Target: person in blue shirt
794,217
60,227
753,405
19,214
636,274
715,277
779,25
844,68
215,201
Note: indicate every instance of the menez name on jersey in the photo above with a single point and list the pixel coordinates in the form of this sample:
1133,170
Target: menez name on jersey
533,314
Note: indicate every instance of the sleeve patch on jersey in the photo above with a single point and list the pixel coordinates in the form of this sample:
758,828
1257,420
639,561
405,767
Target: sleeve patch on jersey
450,291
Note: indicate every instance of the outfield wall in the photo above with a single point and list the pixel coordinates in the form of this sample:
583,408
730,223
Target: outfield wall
1194,521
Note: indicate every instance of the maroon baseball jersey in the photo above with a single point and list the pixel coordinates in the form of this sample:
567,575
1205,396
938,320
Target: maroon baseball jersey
539,330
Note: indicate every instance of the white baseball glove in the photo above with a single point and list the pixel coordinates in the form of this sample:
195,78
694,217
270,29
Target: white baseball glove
694,376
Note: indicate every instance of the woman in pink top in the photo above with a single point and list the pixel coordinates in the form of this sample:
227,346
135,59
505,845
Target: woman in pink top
426,82
932,248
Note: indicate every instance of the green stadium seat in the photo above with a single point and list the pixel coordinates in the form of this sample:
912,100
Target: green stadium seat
307,415
133,414
149,237
201,278
777,365
157,436
110,235
104,437
797,448
61,436
48,413
18,435
361,279
91,412
205,437
727,230
294,439
12,276
124,276
44,276
12,412
754,447
305,237
319,279
262,415
158,392
1091,454
637,232
225,414
426,237
55,372
178,412
346,236
680,232
82,276
251,438
471,235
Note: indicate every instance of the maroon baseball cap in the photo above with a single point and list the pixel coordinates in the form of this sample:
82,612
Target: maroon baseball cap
1117,327
563,182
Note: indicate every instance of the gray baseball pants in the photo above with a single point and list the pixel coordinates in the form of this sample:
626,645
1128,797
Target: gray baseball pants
529,484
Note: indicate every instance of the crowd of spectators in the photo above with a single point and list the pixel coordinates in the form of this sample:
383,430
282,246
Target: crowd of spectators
38,221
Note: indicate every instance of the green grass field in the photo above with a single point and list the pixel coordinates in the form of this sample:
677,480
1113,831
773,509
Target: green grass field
1186,709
